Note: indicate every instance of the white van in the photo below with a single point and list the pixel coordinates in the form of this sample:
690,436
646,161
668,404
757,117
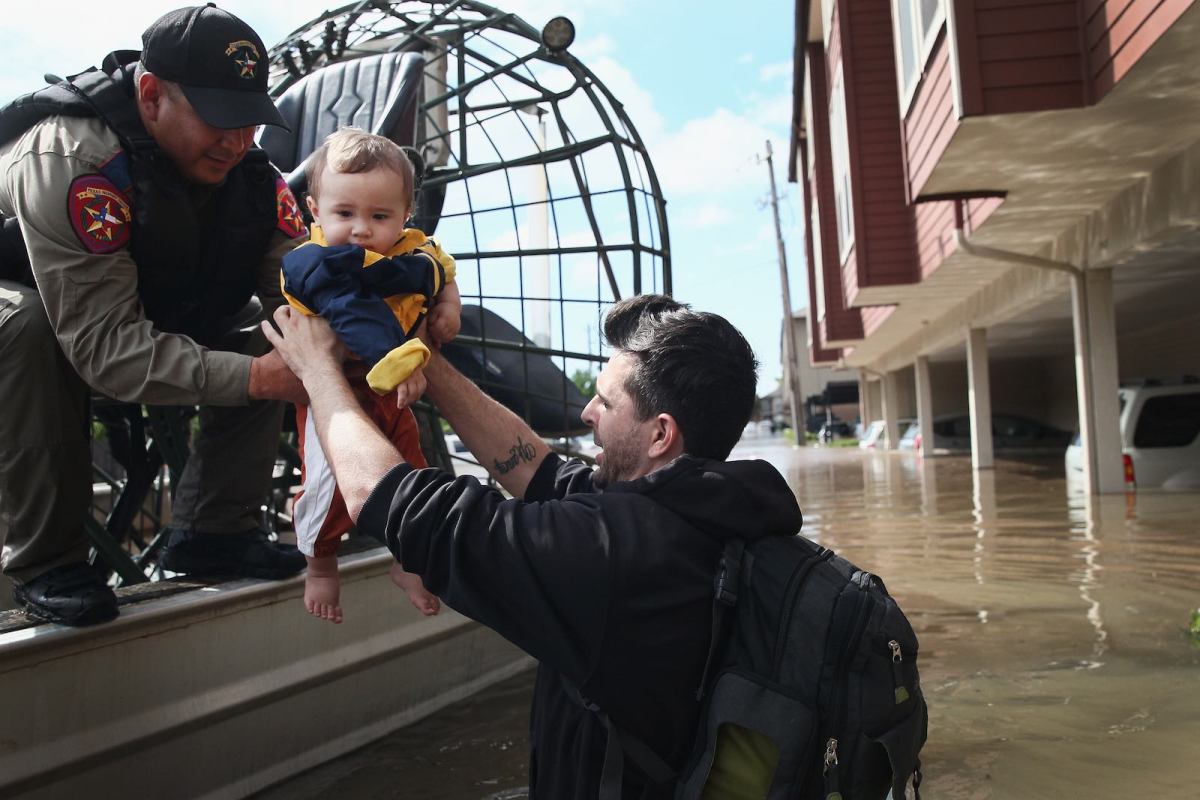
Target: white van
1160,436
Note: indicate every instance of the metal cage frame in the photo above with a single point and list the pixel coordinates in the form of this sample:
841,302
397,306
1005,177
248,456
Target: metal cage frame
490,85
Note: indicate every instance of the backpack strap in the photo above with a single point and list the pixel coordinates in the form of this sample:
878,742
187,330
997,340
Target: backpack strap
108,92
619,744
725,595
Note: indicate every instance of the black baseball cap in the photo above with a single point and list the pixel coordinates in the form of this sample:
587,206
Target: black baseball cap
218,61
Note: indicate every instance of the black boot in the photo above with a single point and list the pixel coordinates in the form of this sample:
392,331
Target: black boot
71,594
248,554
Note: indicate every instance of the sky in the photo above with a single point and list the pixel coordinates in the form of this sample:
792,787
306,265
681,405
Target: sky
705,89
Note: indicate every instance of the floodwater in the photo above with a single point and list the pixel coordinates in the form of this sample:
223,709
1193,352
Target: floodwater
1054,650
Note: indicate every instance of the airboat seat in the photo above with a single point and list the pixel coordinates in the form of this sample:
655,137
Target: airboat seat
377,93
508,366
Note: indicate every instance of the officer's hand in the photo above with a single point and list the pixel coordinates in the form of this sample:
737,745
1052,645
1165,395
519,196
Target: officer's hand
272,379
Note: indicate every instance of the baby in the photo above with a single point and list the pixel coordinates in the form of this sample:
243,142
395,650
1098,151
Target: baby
375,281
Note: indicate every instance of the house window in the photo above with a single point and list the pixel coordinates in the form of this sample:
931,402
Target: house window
839,145
916,23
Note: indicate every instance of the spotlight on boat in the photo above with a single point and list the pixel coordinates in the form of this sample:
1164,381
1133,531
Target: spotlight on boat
558,34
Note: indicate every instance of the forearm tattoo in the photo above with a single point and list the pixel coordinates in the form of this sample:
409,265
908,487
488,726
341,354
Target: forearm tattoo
521,451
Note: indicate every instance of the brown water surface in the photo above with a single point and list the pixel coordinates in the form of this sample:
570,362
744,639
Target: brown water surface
1054,653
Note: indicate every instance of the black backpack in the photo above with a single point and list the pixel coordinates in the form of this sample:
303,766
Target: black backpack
810,690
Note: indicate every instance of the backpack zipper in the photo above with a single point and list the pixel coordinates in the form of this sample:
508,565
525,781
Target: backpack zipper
830,770
901,691
861,616
789,604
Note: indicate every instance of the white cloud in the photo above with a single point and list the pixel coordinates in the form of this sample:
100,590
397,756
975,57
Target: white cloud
638,103
711,154
773,111
770,72
708,215
590,49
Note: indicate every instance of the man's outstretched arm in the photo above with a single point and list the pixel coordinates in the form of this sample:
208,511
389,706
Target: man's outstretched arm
502,442
358,451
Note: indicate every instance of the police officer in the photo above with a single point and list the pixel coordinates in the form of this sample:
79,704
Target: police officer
150,220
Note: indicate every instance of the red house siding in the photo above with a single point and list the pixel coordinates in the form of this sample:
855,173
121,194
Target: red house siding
839,323
818,353
935,235
935,230
1118,32
931,121
884,252
1020,55
874,317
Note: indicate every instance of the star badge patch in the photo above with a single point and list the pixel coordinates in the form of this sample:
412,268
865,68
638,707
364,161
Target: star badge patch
245,57
290,220
99,213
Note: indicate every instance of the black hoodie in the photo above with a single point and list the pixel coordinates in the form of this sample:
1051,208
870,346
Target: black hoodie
611,589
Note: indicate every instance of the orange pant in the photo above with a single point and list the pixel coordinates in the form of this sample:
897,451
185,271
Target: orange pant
319,513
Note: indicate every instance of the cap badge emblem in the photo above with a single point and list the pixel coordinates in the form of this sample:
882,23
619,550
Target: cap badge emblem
245,55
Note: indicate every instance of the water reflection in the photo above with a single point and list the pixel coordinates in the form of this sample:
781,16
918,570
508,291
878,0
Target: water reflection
1053,653
1052,628
984,497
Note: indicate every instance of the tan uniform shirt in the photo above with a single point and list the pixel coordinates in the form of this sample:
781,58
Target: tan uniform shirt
90,298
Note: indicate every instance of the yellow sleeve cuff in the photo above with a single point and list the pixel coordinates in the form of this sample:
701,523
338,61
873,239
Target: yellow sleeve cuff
394,368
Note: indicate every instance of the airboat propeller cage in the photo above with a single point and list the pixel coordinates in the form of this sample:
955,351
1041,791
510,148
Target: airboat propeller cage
536,180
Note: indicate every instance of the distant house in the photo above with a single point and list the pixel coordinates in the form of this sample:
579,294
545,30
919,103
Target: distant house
813,380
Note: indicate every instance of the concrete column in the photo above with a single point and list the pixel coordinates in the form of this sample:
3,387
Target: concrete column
924,404
872,400
979,398
891,416
1096,380
864,399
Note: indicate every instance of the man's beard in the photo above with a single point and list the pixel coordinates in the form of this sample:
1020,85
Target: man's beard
619,464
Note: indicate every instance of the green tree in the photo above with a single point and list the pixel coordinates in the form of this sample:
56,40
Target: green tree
586,382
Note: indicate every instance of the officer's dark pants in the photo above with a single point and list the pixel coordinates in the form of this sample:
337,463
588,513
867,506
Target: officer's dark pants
45,449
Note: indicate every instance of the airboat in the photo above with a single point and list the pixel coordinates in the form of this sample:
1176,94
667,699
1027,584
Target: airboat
535,179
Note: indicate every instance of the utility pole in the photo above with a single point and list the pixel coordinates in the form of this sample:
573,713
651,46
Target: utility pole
791,358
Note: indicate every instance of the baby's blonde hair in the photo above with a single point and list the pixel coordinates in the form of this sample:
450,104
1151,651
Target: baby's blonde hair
353,150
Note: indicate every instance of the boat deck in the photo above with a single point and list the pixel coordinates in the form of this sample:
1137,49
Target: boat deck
218,690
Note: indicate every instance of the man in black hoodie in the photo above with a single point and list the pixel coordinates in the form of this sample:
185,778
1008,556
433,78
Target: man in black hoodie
605,576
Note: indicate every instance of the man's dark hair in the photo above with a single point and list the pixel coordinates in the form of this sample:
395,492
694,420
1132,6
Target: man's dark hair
692,365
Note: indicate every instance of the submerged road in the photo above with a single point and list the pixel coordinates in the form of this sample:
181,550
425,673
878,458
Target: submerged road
1054,652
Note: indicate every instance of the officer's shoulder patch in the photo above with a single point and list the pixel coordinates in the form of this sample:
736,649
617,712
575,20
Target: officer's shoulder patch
99,213
290,220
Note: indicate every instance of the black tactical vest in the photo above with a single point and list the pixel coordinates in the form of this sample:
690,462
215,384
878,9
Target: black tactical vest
197,261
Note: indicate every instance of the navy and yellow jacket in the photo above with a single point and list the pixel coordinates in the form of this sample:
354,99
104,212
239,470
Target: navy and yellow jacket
373,302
